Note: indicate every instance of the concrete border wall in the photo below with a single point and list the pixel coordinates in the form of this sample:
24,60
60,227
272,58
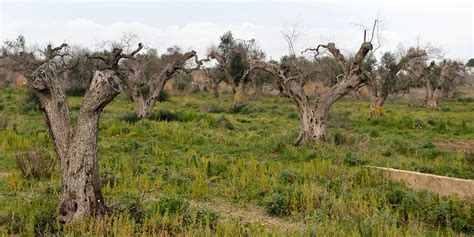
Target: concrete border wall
435,183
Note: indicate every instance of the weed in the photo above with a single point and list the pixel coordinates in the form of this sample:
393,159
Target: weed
35,164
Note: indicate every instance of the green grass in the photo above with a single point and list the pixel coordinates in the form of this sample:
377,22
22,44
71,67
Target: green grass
198,149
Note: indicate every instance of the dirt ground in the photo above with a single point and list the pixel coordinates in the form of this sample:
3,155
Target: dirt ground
464,146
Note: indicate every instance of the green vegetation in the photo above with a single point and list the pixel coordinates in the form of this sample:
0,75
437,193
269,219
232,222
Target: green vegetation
165,175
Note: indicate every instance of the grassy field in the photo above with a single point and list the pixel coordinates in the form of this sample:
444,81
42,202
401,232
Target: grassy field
204,168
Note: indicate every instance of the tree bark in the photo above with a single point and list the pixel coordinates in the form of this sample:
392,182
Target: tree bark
212,82
77,150
312,126
240,90
314,117
132,77
431,99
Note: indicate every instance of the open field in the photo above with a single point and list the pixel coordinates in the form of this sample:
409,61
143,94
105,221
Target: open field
204,167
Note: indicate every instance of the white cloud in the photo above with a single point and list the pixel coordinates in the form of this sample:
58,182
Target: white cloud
440,22
198,36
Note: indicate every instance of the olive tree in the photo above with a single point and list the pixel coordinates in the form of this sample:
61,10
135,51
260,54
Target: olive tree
233,57
145,76
439,76
435,77
386,78
77,146
314,115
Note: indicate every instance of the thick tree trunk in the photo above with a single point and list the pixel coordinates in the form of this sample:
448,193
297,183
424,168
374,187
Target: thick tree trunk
140,109
213,85
431,100
314,119
54,106
377,103
313,125
240,92
239,95
77,151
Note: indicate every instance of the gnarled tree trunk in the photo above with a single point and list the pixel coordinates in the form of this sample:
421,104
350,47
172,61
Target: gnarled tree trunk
431,99
132,73
313,125
240,90
76,149
314,117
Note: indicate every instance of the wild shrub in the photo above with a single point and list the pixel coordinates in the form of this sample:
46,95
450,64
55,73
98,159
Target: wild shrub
215,108
215,169
205,216
29,217
441,125
430,151
130,117
284,201
445,108
163,96
180,210
173,205
222,122
35,163
240,109
401,146
434,210
339,138
166,115
351,159
289,176
466,99
30,103
374,132
133,205
293,115
177,179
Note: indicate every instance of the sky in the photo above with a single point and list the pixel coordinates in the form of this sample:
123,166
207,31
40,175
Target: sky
198,24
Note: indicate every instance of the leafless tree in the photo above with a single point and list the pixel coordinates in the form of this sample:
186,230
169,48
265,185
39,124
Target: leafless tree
435,77
314,116
385,79
215,77
292,34
76,147
134,76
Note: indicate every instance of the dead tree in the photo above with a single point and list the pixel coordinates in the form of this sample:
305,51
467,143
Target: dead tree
314,116
386,80
436,77
133,79
213,80
76,147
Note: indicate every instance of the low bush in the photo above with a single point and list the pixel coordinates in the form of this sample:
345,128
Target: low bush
163,96
222,122
215,108
30,103
35,163
284,201
288,176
